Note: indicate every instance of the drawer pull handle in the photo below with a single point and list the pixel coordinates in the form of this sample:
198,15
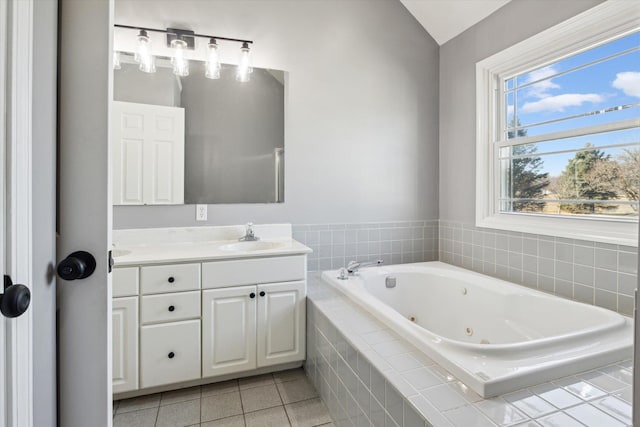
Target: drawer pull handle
171,308
171,355
252,295
262,293
171,280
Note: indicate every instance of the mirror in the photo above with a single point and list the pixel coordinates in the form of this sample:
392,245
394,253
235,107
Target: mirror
196,140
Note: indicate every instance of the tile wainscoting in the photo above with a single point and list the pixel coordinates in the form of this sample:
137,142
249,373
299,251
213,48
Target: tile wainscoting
590,272
334,245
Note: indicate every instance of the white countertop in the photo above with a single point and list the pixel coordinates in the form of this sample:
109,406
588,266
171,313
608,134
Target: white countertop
161,253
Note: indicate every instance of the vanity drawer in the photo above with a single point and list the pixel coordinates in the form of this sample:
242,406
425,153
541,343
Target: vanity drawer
170,307
253,271
169,353
162,279
125,282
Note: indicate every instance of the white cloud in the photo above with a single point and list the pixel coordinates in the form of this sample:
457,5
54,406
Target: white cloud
560,102
628,82
541,89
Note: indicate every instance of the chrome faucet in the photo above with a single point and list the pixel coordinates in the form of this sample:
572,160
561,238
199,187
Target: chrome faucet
249,235
354,266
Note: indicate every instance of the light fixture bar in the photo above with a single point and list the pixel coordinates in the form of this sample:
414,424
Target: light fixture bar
168,31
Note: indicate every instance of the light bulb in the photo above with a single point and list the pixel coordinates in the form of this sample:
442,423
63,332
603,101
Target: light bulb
116,60
143,55
212,67
244,65
180,63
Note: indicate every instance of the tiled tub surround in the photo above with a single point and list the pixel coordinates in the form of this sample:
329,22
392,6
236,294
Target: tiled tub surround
334,245
586,271
368,376
495,336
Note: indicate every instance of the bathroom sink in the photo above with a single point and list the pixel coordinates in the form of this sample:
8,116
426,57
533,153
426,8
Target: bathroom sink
119,252
258,245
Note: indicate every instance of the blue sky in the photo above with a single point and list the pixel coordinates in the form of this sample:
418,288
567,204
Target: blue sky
599,86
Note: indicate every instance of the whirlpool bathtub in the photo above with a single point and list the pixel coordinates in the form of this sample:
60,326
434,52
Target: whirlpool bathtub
495,336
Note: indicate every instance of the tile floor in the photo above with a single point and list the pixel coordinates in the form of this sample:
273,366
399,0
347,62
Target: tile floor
280,399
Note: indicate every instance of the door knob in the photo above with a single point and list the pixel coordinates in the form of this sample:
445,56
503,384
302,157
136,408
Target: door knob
78,265
15,300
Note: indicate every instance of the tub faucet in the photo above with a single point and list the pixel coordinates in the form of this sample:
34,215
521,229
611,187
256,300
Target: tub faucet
249,235
354,266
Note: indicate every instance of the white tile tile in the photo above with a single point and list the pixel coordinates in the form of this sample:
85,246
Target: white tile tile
442,373
444,397
400,384
602,381
580,388
615,407
619,373
500,412
468,394
592,417
468,416
391,348
421,378
558,397
529,423
559,419
530,404
404,362
626,394
423,406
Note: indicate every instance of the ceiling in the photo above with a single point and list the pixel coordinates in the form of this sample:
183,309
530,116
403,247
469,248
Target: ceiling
445,19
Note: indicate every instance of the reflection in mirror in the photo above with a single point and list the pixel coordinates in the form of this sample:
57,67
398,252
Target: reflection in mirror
229,147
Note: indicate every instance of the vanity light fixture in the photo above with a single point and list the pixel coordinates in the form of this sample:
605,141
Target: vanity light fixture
180,40
180,63
143,55
244,65
212,66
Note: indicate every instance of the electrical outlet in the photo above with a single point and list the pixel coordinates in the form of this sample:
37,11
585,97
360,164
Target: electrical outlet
201,212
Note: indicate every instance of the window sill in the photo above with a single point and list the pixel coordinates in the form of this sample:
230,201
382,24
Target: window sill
601,230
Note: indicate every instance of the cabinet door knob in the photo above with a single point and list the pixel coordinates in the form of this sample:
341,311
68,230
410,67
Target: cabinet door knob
252,295
171,308
171,355
171,279
262,293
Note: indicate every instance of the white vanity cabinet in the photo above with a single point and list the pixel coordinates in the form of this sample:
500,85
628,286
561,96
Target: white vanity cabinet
124,317
252,326
180,322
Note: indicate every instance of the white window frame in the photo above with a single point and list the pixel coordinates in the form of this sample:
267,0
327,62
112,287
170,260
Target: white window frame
607,21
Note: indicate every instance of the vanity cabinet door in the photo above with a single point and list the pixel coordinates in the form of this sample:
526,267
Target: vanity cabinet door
228,330
281,323
124,317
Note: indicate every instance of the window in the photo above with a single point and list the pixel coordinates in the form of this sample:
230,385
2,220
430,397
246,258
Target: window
558,134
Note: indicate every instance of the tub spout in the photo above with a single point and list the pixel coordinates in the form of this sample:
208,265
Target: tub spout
354,266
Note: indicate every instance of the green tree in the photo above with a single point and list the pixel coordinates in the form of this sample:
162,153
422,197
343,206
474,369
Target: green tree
589,175
526,179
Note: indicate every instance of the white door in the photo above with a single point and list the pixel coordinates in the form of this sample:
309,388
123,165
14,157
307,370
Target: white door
228,330
125,344
148,154
27,221
84,211
281,320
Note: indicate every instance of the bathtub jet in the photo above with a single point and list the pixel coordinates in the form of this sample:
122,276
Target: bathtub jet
495,336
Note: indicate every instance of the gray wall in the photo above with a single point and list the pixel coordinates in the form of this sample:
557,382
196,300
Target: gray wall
361,118
517,21
231,131
159,88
